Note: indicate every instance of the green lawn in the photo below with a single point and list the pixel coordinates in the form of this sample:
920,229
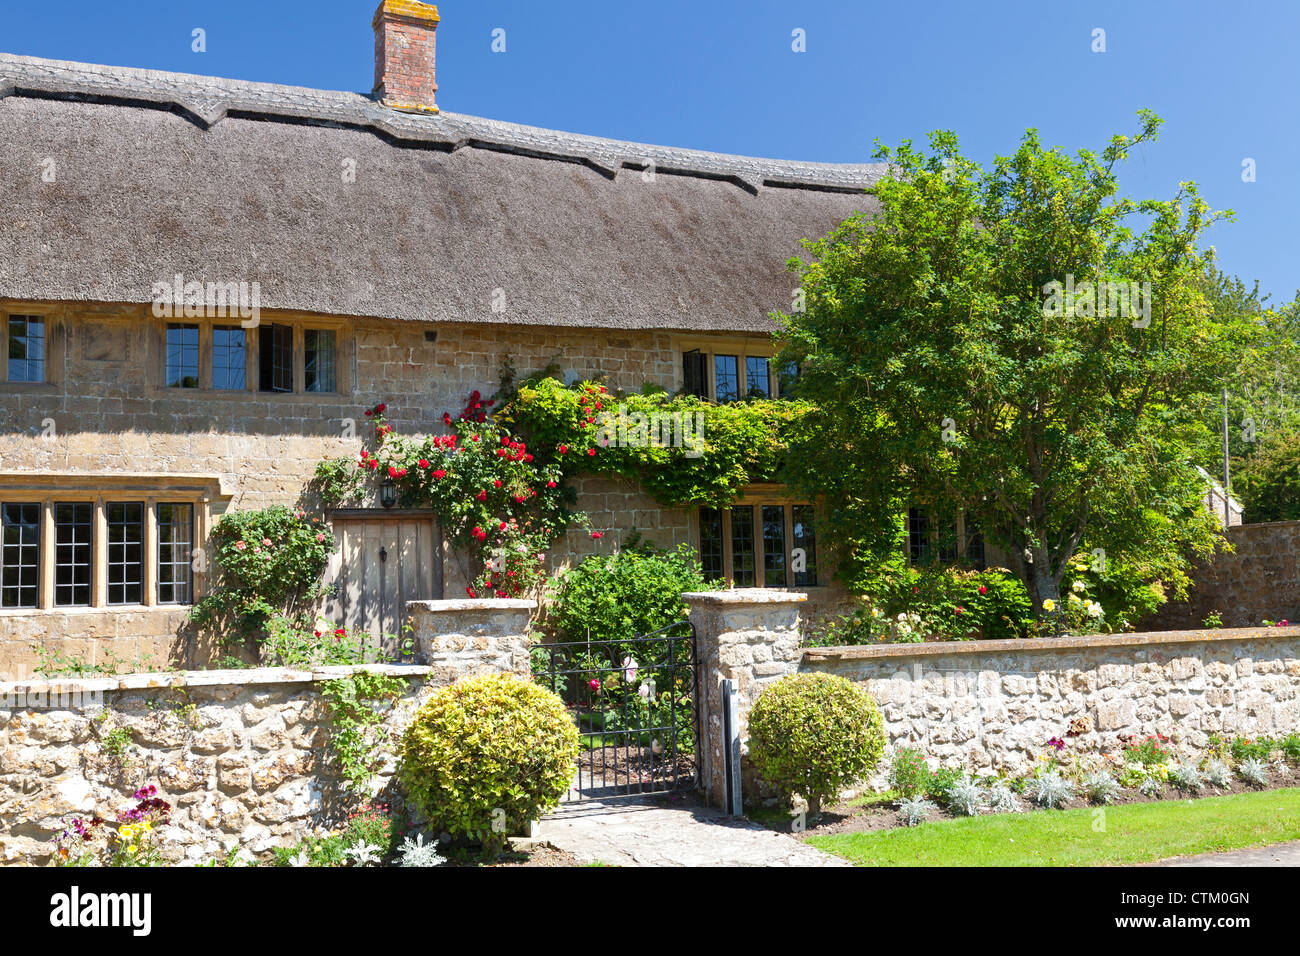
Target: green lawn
1135,833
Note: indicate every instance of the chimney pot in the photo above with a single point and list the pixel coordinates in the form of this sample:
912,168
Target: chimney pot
404,32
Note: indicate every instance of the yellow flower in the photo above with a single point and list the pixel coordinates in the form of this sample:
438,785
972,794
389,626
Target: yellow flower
1049,605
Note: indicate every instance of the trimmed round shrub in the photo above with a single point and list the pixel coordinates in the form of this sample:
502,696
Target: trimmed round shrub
488,754
814,734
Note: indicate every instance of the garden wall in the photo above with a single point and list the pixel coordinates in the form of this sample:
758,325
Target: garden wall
1259,581
993,705
242,755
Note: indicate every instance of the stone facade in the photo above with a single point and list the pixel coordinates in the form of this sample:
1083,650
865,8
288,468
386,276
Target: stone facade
103,425
1258,581
993,705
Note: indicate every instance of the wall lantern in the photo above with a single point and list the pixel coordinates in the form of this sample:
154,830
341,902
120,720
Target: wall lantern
388,493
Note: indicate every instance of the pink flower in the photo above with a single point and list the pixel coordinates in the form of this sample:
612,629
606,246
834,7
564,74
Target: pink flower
593,684
240,546
320,537
597,534
983,589
266,542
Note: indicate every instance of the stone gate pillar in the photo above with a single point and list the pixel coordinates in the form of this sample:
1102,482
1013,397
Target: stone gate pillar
750,636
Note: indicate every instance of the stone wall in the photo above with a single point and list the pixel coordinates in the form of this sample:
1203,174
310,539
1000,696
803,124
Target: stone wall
242,755
1258,581
993,705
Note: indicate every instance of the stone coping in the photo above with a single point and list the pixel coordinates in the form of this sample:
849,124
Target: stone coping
1043,644
735,596
251,676
471,604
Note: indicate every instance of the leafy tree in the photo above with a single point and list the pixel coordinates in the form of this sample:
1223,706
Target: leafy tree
1019,343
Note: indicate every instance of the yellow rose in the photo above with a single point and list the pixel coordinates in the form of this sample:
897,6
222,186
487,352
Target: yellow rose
1049,605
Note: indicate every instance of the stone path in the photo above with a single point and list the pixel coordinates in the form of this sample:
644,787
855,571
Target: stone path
671,831
1280,854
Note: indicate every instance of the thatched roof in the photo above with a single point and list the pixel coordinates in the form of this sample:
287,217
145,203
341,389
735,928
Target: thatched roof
163,173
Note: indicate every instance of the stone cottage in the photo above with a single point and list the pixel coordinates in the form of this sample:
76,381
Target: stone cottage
319,252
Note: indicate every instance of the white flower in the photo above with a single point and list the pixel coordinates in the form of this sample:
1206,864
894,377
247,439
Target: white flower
363,853
1094,609
629,669
301,859
644,691
1080,587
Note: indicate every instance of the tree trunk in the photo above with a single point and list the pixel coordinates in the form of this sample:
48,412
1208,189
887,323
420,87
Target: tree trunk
814,806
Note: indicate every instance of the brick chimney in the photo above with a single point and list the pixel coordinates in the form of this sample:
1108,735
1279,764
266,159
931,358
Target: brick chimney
404,54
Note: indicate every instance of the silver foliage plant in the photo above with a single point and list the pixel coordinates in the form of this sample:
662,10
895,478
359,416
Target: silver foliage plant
912,810
1002,799
1151,787
1185,776
964,797
1253,771
1100,787
418,853
1218,773
1049,790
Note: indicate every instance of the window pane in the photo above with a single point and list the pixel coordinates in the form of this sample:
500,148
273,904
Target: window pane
275,343
802,516
319,360
72,530
757,378
726,380
229,358
175,538
26,348
918,536
742,546
693,378
789,378
20,554
182,356
125,552
711,543
773,546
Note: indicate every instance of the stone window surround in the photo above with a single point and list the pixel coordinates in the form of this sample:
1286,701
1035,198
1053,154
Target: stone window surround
758,495
344,344
55,345
741,347
201,491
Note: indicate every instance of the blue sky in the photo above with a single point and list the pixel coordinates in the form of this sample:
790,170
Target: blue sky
723,76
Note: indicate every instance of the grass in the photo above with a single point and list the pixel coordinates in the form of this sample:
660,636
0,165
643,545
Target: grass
1133,833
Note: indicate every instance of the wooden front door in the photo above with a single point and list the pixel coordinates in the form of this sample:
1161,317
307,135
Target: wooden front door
383,560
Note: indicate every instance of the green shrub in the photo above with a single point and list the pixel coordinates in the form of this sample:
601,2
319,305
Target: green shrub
488,754
611,597
813,734
950,603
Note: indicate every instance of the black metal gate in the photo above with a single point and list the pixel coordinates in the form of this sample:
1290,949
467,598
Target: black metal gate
633,700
